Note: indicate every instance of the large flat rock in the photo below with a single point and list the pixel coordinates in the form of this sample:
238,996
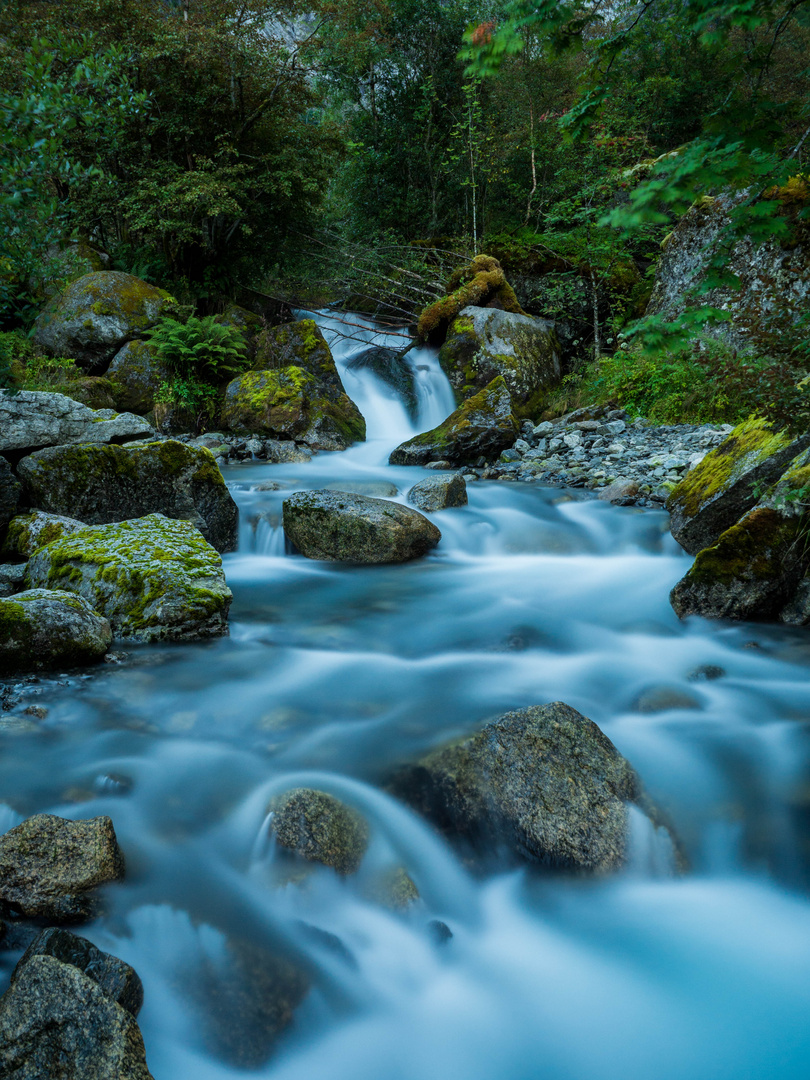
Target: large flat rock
32,419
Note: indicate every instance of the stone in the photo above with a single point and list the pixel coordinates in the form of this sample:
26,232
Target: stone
136,375
662,698
41,628
483,343
391,368
12,578
94,391
103,484
482,426
56,1021
92,318
622,492
50,867
438,493
393,888
543,430
543,783
319,828
154,578
27,532
33,419
10,492
482,282
729,481
377,489
280,452
341,527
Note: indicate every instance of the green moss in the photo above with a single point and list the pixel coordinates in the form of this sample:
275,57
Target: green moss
481,282
752,550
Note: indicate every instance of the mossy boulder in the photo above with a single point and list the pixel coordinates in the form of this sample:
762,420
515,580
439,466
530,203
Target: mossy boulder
319,828
482,283
338,526
102,484
728,482
153,578
27,532
40,628
246,322
297,344
92,317
483,343
12,578
10,492
136,375
94,391
51,867
439,493
391,368
480,428
542,785
33,419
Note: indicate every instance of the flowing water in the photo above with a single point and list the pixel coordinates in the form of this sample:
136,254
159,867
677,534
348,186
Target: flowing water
333,674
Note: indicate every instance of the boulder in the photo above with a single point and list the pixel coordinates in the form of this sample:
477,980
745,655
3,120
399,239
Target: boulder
298,344
56,1021
481,283
439,493
94,391
483,343
319,828
41,628
285,452
391,368
50,867
154,578
728,482
33,419
102,484
10,491
12,578
27,532
543,784
136,375
93,316
480,427
340,527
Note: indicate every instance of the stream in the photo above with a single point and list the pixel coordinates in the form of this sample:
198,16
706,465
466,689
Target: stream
331,676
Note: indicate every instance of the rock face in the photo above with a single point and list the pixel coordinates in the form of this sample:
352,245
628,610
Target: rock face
479,428
728,482
10,492
27,532
153,578
483,343
12,578
56,1021
294,392
544,783
101,484
33,419
393,370
439,493
319,828
340,527
50,867
40,628
774,277
92,318
136,375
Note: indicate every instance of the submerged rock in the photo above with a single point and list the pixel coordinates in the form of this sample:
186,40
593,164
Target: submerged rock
102,484
483,343
392,369
50,867
31,419
439,493
340,527
154,578
41,628
479,428
92,318
319,828
27,532
544,783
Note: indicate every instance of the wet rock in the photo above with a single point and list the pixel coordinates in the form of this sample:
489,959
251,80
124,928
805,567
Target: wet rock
318,827
438,493
103,484
153,578
375,489
31,419
728,482
136,375
27,532
394,889
341,527
40,628
706,673
483,343
661,698
393,370
481,427
56,1021
279,452
440,932
620,492
12,578
543,783
92,318
50,867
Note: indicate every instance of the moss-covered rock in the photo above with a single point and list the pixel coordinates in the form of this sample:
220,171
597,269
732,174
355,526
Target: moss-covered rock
153,578
393,888
728,482
543,784
10,492
27,532
481,427
102,484
92,318
248,325
94,391
319,828
136,375
483,343
338,526
480,284
40,628
297,344
439,493
50,867
32,419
